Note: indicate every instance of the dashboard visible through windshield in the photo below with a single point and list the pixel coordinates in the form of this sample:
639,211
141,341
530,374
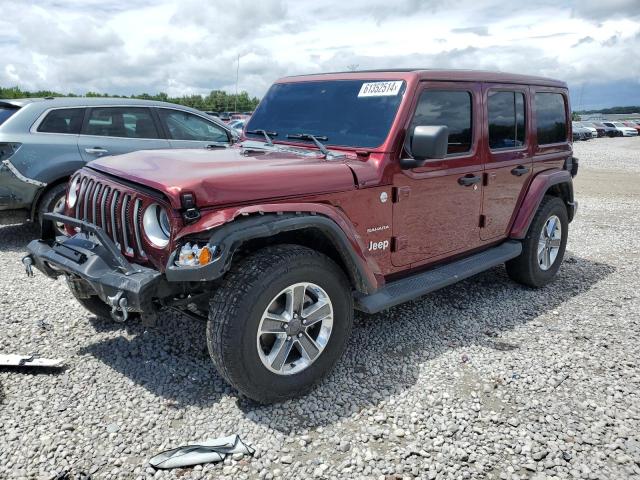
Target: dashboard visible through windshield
348,113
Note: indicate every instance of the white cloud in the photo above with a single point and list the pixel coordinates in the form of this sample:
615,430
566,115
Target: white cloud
191,46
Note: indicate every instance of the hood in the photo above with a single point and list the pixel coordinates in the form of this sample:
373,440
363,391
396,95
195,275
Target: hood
229,176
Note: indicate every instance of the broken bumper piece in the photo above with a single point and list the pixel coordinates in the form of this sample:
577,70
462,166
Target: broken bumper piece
92,257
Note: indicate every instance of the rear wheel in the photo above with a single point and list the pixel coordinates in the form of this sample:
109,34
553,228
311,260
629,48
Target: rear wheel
53,202
279,322
543,247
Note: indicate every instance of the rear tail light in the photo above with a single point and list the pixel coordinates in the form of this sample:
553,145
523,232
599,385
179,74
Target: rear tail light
8,149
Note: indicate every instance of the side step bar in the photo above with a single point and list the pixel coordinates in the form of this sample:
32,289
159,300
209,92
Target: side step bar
415,286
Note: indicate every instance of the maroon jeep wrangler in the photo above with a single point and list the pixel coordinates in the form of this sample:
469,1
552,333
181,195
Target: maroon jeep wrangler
348,190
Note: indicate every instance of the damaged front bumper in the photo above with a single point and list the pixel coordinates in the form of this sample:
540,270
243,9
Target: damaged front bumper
91,256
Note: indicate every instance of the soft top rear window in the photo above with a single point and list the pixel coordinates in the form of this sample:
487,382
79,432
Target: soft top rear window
6,112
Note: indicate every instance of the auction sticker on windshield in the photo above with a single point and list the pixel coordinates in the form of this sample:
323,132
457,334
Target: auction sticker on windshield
380,89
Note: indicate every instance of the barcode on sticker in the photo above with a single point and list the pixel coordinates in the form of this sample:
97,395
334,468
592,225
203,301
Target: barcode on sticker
380,89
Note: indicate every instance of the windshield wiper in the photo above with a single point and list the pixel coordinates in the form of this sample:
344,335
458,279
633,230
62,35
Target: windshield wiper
267,135
315,139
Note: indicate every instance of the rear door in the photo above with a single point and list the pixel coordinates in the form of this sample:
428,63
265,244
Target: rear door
187,130
509,156
436,208
118,130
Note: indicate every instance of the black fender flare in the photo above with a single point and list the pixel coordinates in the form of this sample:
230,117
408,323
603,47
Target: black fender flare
228,238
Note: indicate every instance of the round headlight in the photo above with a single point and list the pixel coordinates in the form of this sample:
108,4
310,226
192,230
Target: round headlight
72,196
157,227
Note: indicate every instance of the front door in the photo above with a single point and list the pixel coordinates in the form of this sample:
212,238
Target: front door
186,130
436,210
509,156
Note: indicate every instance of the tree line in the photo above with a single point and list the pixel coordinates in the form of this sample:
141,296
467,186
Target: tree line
216,100
622,110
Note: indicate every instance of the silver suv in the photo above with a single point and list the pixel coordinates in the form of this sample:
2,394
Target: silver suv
44,140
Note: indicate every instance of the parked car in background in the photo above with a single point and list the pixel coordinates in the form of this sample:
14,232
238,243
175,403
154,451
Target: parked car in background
43,141
633,125
580,132
617,129
227,116
237,125
600,130
239,116
592,130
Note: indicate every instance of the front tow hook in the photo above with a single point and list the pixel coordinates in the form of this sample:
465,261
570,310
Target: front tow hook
119,301
28,265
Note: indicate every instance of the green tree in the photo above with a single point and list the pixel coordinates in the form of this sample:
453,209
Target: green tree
216,100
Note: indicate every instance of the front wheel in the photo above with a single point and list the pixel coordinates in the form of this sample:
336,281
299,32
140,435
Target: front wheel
543,247
279,322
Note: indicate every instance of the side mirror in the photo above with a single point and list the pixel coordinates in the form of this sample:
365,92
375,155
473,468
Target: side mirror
425,143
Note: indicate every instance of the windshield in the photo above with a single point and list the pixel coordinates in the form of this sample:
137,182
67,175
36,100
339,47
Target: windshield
6,112
349,113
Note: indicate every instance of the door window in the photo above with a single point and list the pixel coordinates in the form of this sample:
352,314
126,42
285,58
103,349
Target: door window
63,120
506,120
186,126
126,122
551,118
451,108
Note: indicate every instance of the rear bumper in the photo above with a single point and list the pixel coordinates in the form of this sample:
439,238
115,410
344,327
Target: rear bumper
90,255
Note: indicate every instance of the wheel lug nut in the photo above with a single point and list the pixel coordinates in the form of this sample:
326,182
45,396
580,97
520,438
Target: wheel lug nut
299,335
285,326
288,338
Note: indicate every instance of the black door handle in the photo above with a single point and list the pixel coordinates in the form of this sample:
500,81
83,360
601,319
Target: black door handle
520,170
469,180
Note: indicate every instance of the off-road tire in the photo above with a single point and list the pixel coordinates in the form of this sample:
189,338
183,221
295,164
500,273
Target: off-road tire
49,200
525,268
237,306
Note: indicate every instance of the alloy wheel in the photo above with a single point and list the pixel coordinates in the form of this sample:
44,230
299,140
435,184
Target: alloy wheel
58,207
549,242
295,328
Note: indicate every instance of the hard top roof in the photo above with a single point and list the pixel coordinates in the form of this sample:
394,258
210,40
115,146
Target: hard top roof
433,74
86,101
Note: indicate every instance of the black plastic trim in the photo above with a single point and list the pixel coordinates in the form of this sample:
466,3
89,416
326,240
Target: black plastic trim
414,286
230,236
94,263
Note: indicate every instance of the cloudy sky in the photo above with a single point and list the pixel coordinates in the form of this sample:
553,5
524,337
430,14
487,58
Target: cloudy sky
191,46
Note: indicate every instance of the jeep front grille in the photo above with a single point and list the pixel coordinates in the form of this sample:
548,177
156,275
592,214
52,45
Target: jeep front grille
116,210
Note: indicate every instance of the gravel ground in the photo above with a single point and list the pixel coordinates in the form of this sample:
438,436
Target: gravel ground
484,379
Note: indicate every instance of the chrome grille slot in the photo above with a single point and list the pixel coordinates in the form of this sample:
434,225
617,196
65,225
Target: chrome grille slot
83,186
85,202
112,212
103,208
137,212
94,204
124,214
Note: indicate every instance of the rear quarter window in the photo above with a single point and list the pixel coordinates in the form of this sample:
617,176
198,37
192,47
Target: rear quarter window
6,112
551,118
62,120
